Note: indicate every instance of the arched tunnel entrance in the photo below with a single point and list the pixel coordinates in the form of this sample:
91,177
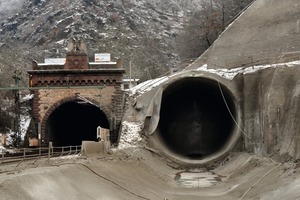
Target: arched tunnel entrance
195,121
73,122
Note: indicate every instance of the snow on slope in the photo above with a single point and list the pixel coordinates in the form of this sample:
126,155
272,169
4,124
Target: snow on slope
130,135
9,7
223,72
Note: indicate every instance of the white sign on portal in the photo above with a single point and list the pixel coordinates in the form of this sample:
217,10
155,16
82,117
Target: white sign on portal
102,57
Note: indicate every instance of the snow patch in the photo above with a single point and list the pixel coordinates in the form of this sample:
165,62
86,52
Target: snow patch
231,73
148,85
60,42
24,124
2,149
27,97
68,157
225,73
130,135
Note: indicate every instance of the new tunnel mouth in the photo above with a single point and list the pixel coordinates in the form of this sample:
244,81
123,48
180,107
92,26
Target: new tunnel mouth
74,121
195,121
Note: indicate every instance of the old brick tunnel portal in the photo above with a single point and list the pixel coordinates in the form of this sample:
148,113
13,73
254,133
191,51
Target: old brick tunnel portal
72,98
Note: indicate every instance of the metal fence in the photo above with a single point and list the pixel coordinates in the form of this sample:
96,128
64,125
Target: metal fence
16,155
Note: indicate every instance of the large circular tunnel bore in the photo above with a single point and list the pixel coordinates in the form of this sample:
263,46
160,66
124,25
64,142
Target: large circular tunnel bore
73,122
194,120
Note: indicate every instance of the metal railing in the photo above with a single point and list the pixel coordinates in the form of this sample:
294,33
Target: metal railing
17,155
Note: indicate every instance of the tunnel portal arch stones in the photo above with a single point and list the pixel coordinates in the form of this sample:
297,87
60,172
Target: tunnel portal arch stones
78,99
98,84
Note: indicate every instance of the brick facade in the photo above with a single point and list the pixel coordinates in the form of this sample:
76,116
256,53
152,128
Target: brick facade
99,83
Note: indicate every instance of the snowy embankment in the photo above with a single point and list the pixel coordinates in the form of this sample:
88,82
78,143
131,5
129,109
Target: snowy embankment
225,73
24,125
231,73
2,149
130,136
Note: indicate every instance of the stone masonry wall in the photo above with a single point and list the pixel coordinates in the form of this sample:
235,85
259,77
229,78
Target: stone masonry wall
108,98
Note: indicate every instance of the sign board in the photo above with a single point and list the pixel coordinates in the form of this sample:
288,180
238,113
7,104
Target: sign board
55,60
102,57
102,134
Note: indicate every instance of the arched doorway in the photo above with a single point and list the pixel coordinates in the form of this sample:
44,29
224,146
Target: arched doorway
74,121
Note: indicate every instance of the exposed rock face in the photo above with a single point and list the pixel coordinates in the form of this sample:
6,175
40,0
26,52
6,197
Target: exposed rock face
139,31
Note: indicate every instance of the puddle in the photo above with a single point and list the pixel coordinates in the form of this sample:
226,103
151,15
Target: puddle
197,179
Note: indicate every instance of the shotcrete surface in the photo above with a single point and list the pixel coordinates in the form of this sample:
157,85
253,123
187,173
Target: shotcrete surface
267,32
136,173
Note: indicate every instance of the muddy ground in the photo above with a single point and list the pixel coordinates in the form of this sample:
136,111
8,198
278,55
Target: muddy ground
136,173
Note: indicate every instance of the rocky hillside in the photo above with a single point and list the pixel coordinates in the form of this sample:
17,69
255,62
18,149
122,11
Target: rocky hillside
140,31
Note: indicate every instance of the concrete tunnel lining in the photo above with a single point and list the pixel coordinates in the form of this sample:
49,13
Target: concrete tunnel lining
195,122
74,121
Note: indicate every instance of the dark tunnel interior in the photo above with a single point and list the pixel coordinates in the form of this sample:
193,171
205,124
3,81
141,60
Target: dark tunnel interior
73,122
194,119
